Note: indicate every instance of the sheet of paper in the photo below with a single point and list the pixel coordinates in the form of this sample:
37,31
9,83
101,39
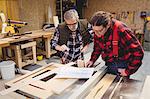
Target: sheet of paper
74,72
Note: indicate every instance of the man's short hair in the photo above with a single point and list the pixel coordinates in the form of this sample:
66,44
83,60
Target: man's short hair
100,18
71,14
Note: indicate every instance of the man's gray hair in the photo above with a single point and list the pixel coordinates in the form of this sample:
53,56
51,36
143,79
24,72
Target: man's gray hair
71,14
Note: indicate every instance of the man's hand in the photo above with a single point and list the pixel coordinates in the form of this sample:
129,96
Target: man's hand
62,48
122,72
89,64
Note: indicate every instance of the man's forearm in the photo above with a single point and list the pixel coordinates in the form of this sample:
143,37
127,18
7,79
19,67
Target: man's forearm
62,48
94,57
58,47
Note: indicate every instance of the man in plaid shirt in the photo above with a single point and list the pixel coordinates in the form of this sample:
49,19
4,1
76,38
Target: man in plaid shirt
130,51
72,37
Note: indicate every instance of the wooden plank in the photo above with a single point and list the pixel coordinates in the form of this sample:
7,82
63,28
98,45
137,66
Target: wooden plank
6,40
32,91
16,87
18,57
146,89
18,39
20,83
47,47
31,74
30,44
4,52
59,85
13,95
4,43
34,54
113,91
48,88
58,88
23,83
98,91
27,62
85,88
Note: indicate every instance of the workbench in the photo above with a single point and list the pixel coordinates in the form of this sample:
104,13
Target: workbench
77,88
46,35
58,88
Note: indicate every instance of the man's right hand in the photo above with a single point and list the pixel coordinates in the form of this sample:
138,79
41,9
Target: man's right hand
89,64
62,48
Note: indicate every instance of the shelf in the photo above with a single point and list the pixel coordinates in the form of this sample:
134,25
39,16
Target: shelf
61,8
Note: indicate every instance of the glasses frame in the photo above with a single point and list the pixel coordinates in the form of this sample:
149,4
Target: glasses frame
72,24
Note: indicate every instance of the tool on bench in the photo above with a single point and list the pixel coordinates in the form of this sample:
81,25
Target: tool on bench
13,26
10,26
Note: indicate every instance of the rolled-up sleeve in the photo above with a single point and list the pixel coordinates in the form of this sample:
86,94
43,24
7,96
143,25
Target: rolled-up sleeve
97,50
136,52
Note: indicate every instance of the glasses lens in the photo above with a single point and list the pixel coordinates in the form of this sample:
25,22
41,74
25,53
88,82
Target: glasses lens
71,24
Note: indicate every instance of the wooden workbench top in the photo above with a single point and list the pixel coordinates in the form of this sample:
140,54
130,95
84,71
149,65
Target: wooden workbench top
34,34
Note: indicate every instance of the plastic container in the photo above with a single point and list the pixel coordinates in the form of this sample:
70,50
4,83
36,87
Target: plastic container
7,69
40,57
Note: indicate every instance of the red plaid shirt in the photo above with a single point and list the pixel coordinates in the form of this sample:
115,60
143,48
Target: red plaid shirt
130,50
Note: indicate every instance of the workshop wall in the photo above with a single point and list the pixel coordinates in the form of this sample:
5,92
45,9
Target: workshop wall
10,8
120,7
35,12
3,9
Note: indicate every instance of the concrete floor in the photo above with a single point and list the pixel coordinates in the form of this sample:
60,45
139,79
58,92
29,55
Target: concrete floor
144,69
139,75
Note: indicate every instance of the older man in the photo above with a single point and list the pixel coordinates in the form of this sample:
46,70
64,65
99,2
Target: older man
72,37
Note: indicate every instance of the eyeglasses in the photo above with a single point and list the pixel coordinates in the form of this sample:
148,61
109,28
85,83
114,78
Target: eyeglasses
72,24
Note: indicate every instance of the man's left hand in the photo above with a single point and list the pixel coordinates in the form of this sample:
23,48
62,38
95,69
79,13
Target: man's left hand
122,72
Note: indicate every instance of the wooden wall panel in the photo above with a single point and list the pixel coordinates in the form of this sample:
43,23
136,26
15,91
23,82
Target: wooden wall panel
35,13
118,6
12,9
29,13
3,9
43,11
